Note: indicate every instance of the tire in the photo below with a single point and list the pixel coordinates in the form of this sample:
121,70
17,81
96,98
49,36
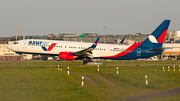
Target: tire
84,62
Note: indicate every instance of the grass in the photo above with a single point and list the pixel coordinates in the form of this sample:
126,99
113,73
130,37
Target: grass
42,81
80,62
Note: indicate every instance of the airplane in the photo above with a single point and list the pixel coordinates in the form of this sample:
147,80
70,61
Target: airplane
86,51
121,41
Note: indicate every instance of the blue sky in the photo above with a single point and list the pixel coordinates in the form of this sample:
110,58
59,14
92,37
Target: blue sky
41,17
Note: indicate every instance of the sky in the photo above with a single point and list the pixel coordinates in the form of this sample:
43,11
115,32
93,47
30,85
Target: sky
43,17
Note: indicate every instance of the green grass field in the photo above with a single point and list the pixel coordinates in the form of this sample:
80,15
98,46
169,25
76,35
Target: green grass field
42,81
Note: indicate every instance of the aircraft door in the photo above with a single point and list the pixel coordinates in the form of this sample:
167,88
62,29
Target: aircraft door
24,45
138,51
107,50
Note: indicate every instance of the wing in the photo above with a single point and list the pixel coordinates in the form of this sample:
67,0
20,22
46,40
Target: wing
87,53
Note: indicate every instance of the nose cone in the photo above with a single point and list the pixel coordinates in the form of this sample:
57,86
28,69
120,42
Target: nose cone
10,46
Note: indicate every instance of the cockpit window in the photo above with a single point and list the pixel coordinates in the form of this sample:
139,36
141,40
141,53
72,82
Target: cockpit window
15,43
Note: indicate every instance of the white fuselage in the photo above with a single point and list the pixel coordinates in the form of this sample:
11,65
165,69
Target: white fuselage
34,46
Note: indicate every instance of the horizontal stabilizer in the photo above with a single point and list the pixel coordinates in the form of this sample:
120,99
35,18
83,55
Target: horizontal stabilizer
159,49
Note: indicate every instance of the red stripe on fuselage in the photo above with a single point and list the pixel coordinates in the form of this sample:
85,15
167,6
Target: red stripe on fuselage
161,38
128,50
52,46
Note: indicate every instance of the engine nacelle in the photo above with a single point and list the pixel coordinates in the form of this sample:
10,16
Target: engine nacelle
66,56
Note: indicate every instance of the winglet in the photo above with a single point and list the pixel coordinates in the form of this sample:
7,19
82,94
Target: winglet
95,43
121,41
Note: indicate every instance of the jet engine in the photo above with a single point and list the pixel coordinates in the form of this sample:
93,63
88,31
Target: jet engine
66,56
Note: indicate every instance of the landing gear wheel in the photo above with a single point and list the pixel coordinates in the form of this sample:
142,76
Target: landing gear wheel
84,62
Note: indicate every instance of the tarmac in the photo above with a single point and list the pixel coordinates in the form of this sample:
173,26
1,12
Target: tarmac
164,93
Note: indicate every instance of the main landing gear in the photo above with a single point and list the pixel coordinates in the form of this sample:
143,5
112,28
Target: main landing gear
86,60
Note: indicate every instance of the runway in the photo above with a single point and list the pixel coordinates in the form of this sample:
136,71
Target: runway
141,64
165,93
25,63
